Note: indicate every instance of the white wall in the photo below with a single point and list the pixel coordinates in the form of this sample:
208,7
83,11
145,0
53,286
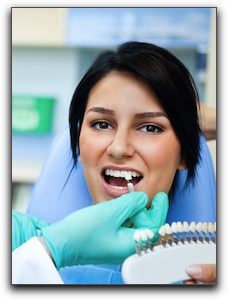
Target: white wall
46,72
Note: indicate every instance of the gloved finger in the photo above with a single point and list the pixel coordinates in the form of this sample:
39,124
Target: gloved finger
141,219
155,217
24,226
127,223
159,209
17,233
124,244
23,219
158,213
39,222
126,206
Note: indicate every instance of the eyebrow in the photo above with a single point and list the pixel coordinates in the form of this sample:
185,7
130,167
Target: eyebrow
144,115
102,110
153,114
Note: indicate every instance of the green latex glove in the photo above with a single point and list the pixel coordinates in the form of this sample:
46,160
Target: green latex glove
24,227
94,235
154,217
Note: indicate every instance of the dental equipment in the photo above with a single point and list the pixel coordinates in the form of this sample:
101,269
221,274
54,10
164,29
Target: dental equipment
129,184
181,245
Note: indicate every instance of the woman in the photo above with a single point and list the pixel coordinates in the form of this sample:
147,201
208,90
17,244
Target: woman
133,119
135,110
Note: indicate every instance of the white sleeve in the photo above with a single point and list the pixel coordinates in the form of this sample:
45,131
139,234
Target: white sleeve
32,265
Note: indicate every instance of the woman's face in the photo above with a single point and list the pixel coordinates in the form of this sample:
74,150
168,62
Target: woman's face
126,129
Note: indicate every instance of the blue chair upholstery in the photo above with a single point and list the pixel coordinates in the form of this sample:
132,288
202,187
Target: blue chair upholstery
57,193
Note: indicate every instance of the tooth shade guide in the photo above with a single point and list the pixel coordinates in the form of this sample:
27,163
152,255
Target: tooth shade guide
168,229
211,227
199,226
174,227
149,233
192,227
166,265
136,236
204,227
130,187
186,227
203,234
162,231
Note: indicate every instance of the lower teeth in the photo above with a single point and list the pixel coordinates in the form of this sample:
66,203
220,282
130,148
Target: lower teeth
118,187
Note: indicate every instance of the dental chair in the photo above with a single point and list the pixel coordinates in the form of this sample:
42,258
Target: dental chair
61,190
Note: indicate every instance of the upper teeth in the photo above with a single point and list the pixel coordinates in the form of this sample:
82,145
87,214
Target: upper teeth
123,174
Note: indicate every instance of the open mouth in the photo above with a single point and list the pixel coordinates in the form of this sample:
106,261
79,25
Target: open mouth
119,179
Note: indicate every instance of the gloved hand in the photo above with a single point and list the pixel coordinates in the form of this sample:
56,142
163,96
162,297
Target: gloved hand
154,217
24,227
94,235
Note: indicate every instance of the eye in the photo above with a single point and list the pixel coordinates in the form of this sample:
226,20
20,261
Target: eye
151,129
101,125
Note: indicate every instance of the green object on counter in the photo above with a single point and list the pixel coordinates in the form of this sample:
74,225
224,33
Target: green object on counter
32,114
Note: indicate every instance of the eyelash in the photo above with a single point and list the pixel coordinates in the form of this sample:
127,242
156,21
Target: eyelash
156,129
97,123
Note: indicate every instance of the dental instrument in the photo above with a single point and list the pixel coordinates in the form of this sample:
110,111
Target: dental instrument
129,184
166,263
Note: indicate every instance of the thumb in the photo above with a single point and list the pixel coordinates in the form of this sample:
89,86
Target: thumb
155,216
159,209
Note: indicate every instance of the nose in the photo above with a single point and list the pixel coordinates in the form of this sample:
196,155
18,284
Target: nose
121,146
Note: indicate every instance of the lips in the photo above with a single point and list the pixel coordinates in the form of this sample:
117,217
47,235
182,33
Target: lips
115,180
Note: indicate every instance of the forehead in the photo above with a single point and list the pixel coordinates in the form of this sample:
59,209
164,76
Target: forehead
121,87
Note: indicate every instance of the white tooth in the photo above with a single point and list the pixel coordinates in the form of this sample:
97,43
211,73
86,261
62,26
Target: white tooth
199,226
180,227
168,229
149,233
192,226
133,174
204,226
161,231
128,176
211,227
136,236
185,226
122,174
111,172
107,172
143,235
174,227
116,173
137,174
117,187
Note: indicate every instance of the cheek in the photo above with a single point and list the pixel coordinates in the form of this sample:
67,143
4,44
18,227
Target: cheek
84,145
162,160
88,147
163,152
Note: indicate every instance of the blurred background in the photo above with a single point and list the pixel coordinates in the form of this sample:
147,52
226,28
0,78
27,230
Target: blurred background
53,47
